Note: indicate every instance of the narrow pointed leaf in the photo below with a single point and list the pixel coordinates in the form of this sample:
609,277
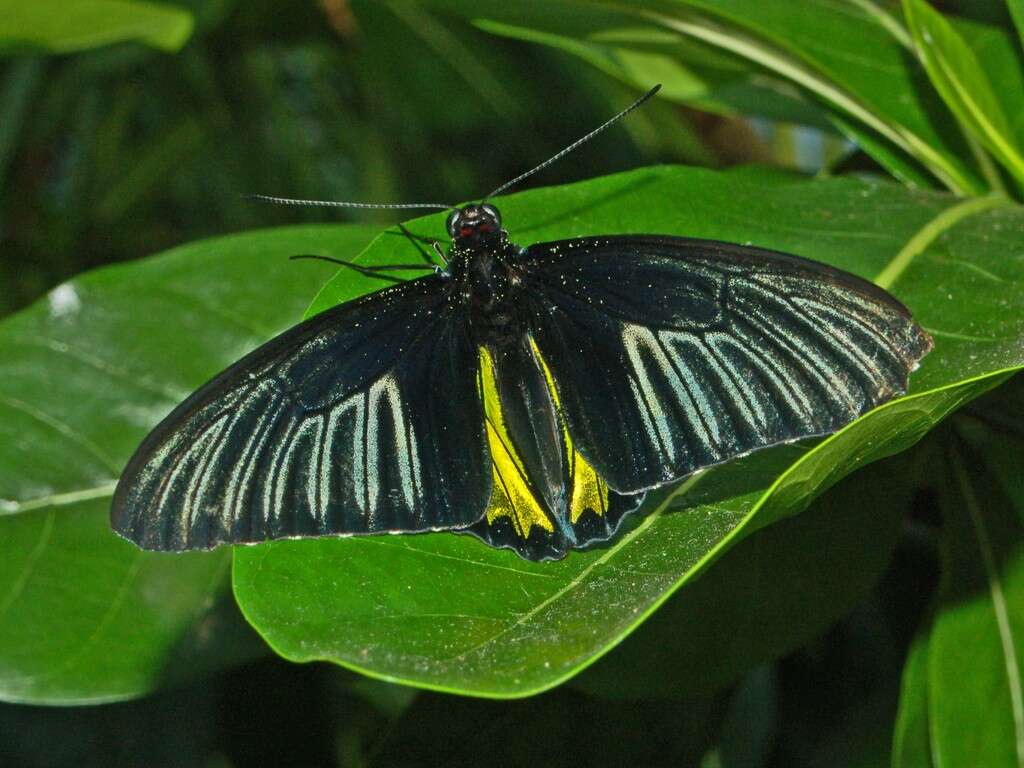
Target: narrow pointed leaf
964,85
864,71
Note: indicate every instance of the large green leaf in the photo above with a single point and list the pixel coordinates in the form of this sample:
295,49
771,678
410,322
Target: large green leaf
444,611
59,26
84,374
910,748
853,59
962,695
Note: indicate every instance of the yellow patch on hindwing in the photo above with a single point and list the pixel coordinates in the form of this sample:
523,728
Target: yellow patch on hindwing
589,490
513,495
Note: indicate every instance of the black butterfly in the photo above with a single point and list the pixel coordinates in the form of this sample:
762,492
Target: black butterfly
528,396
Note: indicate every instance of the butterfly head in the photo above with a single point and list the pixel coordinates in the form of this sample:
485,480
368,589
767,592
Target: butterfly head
474,225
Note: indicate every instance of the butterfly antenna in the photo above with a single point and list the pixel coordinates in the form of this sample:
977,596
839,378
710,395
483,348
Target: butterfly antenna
337,204
575,144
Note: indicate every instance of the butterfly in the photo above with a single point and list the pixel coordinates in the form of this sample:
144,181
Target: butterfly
528,396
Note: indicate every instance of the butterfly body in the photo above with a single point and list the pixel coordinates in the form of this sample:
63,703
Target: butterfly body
485,281
528,396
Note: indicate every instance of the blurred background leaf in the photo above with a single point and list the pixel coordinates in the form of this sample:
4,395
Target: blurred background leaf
54,26
964,85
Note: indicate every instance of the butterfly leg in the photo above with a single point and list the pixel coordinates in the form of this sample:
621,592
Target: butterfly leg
432,242
374,270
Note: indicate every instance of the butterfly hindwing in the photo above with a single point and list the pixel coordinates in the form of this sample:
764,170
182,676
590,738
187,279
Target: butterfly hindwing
365,418
672,354
546,499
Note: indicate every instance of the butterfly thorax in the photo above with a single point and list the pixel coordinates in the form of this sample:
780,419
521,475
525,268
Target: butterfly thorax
486,283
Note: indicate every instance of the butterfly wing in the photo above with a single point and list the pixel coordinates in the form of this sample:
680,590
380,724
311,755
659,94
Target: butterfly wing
363,419
673,354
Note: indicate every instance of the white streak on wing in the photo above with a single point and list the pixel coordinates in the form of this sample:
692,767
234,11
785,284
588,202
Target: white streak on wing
730,379
314,472
183,461
373,447
408,466
816,309
809,359
786,387
648,424
327,461
277,476
414,458
698,408
405,468
635,337
242,475
359,470
201,480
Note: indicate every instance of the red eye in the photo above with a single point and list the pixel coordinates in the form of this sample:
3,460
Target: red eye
485,227
465,231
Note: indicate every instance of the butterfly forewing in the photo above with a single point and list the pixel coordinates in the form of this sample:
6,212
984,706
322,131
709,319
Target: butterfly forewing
672,354
363,419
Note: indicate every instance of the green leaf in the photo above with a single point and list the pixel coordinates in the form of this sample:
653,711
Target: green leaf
58,26
1000,56
690,72
901,165
84,374
850,58
443,611
638,68
962,82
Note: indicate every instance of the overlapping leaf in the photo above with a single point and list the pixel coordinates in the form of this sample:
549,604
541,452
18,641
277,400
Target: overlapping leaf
958,76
